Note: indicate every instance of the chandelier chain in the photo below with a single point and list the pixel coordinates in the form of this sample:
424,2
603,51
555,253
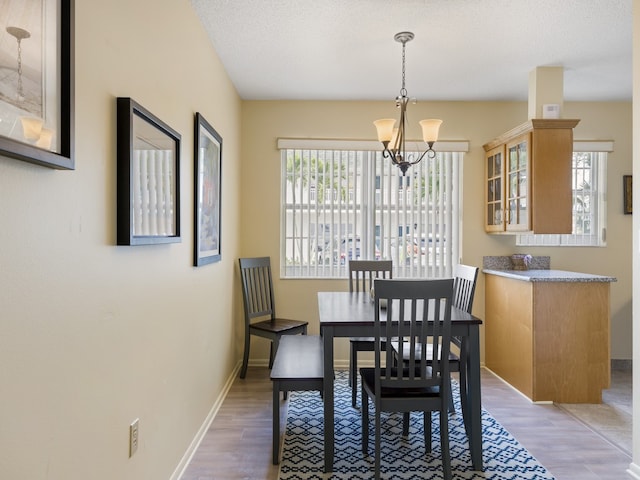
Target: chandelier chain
403,90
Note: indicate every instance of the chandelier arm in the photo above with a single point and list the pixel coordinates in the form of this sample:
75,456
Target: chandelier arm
429,153
390,154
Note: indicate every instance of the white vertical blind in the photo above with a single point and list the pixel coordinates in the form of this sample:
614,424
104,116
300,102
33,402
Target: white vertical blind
339,205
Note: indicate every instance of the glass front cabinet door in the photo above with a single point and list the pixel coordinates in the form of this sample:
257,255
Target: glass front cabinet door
494,186
517,177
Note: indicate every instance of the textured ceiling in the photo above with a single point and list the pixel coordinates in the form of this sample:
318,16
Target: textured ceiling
463,49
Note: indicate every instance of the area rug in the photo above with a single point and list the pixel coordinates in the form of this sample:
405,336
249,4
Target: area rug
302,453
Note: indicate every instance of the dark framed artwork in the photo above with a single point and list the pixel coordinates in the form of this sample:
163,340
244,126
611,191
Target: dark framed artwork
207,167
148,190
627,192
37,82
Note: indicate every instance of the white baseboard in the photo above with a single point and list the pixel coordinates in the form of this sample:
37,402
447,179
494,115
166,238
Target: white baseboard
202,431
634,471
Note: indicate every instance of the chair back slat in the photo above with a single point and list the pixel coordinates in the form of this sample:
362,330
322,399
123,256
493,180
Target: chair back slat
363,273
409,306
257,288
464,287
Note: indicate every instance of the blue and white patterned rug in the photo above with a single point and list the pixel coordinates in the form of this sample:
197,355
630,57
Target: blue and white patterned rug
302,454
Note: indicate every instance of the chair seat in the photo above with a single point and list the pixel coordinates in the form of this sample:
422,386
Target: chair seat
278,325
367,374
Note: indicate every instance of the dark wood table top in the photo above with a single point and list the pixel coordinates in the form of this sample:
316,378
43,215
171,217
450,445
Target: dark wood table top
350,309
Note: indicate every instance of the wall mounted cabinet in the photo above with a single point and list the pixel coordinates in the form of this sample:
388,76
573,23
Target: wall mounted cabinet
528,178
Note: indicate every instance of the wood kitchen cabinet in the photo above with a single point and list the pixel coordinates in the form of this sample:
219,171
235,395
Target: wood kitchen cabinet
528,178
547,333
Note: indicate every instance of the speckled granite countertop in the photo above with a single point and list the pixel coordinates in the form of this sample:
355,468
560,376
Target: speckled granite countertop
549,276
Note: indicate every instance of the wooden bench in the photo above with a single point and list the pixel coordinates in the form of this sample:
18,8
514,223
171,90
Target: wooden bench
298,365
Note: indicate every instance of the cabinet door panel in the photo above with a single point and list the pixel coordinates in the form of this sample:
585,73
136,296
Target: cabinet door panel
518,175
494,221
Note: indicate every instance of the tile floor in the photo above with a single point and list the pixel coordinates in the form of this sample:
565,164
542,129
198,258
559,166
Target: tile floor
612,418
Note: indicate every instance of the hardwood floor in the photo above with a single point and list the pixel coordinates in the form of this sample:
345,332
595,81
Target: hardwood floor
238,444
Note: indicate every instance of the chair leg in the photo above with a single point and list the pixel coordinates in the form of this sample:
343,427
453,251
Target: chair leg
353,373
463,388
365,422
444,444
245,356
405,423
272,351
426,419
378,444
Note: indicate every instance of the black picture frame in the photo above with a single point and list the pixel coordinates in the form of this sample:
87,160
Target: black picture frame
627,194
148,178
37,94
208,195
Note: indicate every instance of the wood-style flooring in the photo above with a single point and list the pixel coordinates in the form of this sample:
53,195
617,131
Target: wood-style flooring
238,444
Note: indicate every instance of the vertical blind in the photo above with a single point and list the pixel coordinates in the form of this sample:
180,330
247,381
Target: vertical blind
341,205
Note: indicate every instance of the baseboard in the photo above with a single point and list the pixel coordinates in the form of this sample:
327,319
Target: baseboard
539,402
621,365
634,471
202,431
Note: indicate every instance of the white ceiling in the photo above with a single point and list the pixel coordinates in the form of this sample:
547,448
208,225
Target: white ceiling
463,49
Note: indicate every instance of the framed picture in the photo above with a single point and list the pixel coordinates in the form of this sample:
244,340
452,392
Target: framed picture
208,164
148,190
627,193
36,82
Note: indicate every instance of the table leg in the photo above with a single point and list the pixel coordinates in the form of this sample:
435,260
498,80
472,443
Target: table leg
474,397
329,441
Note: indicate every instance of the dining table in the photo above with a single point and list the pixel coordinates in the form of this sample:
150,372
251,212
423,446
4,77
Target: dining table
346,314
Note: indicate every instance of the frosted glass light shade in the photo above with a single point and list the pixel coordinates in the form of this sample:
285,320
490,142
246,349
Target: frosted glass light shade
430,128
394,138
384,127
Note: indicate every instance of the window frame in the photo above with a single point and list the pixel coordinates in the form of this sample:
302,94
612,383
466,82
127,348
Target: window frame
598,238
370,242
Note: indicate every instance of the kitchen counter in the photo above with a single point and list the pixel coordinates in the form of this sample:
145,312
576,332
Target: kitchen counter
547,332
549,276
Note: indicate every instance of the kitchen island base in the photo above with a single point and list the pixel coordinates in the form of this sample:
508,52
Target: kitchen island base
549,339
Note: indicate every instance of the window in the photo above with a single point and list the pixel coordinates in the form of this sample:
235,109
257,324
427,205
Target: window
589,181
341,205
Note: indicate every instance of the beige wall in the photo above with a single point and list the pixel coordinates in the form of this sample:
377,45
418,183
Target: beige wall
634,467
477,122
93,336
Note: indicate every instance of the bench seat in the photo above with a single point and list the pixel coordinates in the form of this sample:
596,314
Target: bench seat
298,365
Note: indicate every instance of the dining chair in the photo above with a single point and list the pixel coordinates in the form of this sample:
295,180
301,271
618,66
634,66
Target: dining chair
362,274
422,383
464,287
260,317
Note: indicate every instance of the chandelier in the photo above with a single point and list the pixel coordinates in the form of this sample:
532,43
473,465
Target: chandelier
393,138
